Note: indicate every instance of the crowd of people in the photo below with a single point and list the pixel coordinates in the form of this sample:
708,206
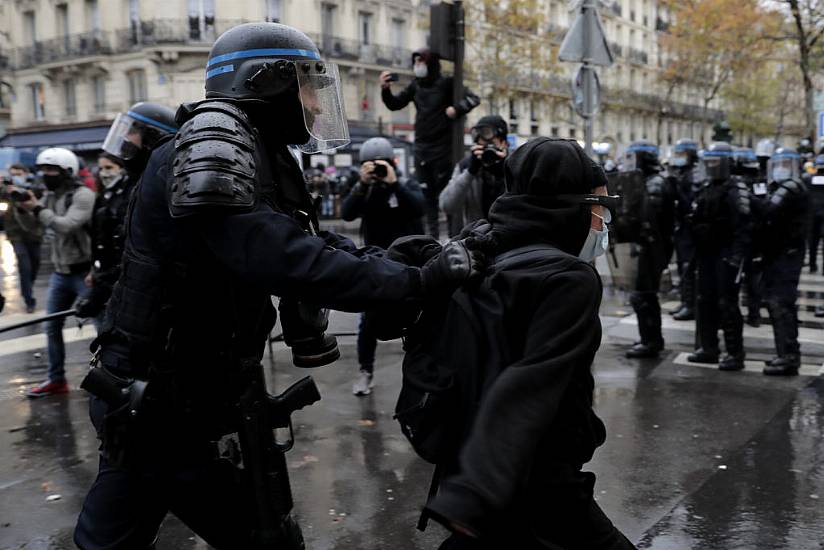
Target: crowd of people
178,254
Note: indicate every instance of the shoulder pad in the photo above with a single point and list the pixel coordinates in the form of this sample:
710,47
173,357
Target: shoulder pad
741,197
214,166
794,186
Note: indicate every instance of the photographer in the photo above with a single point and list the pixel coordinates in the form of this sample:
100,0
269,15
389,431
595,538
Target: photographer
389,208
23,229
479,178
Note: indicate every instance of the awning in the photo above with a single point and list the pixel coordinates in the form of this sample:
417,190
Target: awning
76,139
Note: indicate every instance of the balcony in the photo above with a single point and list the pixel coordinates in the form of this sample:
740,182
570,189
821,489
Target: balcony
345,49
638,56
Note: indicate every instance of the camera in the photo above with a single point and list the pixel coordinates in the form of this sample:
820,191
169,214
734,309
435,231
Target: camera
393,77
380,171
489,155
16,195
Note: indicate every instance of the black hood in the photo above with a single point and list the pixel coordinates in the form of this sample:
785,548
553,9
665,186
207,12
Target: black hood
433,63
528,212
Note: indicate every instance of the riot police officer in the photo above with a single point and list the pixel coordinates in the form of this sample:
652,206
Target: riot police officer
816,185
681,173
219,223
721,221
747,169
654,247
782,242
131,139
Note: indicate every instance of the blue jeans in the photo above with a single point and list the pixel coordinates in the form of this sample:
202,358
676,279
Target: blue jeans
28,263
64,290
367,344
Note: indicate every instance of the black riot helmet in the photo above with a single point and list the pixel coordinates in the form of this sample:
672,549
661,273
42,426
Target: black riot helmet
641,155
718,160
134,134
684,154
746,162
277,73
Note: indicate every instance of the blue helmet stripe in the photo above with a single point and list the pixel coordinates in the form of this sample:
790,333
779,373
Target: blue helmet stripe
152,122
263,52
718,153
219,70
643,148
786,156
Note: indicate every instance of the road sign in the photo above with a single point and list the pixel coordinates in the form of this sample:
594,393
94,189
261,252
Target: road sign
818,101
820,125
586,79
585,42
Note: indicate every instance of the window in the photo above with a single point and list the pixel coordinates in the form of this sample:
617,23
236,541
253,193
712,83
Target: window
202,20
92,10
70,97
38,101
398,33
273,11
513,113
365,28
327,25
62,19
30,27
137,85
554,131
134,21
99,94
572,133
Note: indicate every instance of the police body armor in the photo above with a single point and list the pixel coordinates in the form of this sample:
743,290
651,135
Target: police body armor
785,213
713,217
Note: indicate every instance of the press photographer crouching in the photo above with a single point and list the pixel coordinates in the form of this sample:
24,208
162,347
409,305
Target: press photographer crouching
479,178
389,207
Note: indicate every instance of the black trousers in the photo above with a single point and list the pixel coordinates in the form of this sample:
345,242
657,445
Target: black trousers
685,256
718,304
435,174
753,286
644,296
124,509
781,278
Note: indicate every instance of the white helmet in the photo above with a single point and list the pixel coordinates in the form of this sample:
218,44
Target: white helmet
57,156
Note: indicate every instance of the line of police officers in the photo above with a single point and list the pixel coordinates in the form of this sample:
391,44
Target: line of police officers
732,215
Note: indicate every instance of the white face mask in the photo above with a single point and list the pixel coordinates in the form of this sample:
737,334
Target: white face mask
421,71
596,244
108,177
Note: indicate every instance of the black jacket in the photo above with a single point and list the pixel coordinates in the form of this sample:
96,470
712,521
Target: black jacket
433,129
388,211
722,220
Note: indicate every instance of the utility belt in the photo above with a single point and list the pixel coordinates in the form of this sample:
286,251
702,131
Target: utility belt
80,269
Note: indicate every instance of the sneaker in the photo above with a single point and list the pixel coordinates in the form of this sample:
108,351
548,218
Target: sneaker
48,388
364,384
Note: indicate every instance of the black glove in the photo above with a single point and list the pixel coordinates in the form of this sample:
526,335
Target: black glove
474,164
87,307
455,264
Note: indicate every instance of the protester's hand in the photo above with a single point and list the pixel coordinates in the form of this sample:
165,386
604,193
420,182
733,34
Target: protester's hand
384,78
475,159
29,204
87,280
451,112
454,265
367,172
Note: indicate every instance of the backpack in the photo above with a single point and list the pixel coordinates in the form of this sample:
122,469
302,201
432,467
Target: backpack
443,378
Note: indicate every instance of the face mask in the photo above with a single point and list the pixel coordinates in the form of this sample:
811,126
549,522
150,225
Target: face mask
52,181
678,161
421,71
596,244
781,174
18,180
109,177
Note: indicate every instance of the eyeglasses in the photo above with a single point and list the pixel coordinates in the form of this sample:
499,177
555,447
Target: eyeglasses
610,202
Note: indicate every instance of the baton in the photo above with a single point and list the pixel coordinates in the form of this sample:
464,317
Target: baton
49,317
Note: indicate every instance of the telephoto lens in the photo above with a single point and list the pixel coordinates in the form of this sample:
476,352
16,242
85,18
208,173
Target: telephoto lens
490,155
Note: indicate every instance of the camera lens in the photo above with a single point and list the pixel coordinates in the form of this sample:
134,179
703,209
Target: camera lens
490,155
380,171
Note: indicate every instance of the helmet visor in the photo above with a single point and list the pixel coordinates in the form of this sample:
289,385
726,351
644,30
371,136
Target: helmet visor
630,162
783,168
322,100
716,167
679,158
125,138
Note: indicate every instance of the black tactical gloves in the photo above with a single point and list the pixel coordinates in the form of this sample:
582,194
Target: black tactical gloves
455,264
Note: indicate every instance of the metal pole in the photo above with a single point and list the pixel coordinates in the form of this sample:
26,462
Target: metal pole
457,80
43,319
587,83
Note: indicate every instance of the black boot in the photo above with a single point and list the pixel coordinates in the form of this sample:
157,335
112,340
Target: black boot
684,314
644,351
754,320
702,356
769,362
787,365
731,363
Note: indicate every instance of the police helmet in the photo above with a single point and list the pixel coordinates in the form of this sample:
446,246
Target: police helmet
746,162
765,148
139,128
641,155
785,164
272,61
718,160
684,153
377,148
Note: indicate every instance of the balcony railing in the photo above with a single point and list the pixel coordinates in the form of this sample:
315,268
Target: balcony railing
638,56
337,48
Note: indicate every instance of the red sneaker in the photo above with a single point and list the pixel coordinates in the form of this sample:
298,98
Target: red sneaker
48,388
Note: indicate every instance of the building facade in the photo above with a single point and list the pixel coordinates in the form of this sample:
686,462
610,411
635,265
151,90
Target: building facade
71,65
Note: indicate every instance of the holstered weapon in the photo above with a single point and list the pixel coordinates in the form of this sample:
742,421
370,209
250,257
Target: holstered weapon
264,461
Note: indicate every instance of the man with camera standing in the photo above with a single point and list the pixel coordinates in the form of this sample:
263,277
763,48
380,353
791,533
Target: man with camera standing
479,178
66,210
436,109
389,208
23,230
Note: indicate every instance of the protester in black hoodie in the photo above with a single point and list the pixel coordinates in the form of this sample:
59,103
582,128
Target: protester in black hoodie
436,108
517,480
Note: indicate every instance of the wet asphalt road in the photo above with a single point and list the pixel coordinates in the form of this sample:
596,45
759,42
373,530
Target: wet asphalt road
695,458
